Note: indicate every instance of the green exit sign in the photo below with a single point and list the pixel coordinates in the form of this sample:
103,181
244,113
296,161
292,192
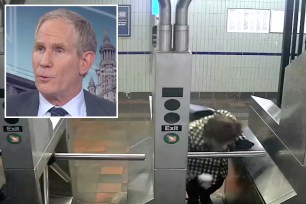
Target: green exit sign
14,138
171,138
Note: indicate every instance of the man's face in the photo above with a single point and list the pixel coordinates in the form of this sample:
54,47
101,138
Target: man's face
56,63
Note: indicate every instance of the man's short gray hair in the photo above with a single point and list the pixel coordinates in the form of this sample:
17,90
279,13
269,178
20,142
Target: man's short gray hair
85,36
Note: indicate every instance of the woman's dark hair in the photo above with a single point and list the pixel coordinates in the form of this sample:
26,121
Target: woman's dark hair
223,129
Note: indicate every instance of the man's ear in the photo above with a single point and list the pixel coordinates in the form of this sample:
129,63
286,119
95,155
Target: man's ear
86,61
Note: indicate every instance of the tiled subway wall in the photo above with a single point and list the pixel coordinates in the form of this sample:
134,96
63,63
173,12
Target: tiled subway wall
211,72
216,66
257,72
134,68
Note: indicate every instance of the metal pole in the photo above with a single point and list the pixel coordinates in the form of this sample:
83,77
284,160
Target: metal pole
181,28
164,39
2,4
295,24
82,156
302,22
286,48
46,185
226,154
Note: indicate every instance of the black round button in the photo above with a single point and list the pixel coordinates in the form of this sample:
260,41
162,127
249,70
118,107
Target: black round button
172,118
172,104
11,120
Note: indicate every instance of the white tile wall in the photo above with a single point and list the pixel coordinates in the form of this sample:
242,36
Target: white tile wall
232,73
133,70
208,21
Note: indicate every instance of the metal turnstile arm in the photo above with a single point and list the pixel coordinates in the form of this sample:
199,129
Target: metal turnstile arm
226,154
46,185
59,171
84,156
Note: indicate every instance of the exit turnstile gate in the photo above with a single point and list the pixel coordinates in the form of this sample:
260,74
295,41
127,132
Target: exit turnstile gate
29,147
28,144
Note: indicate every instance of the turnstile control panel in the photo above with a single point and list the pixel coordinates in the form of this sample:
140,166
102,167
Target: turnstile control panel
171,99
171,109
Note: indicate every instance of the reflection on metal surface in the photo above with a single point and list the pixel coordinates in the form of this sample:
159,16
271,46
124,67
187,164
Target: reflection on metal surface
292,130
258,153
267,176
197,112
44,143
140,174
279,177
46,185
60,172
60,200
269,107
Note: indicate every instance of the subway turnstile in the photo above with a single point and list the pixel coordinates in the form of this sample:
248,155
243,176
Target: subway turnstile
29,147
171,101
26,147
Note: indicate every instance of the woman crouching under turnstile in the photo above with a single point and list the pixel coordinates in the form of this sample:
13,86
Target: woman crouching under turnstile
216,133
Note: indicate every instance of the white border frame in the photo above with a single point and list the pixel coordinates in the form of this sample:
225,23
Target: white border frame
65,5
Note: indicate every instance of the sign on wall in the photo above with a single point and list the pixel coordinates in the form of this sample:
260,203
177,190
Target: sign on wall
124,20
248,20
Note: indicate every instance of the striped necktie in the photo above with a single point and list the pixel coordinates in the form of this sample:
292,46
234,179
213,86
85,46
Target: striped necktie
57,111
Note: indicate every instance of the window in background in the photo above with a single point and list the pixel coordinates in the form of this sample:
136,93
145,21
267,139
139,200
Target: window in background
155,8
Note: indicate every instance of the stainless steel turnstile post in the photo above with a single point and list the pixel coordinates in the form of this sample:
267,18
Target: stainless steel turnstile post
26,146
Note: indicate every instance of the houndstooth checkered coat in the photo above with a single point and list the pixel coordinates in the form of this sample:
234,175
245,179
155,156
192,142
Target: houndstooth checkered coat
217,167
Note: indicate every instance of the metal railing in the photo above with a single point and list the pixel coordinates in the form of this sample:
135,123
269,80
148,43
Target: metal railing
83,156
226,154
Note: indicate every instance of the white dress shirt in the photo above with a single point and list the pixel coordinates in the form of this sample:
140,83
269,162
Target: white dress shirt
75,107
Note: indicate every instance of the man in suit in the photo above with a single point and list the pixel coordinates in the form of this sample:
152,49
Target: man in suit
64,50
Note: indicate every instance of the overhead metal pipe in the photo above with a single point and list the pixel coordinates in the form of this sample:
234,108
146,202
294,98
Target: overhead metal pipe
181,28
165,12
181,16
164,27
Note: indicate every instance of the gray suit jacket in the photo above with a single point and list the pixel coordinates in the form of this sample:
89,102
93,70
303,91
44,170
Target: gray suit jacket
27,103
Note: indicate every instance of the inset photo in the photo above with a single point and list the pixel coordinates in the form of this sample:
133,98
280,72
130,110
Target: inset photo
61,61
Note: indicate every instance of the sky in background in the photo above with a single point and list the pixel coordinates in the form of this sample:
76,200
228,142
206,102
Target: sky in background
21,22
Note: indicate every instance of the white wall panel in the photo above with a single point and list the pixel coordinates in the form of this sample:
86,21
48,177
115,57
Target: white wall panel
208,21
